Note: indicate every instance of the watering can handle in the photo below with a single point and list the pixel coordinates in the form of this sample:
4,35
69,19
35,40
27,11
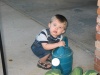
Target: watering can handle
65,39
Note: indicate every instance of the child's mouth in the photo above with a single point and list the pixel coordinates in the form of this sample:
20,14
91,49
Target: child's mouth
55,31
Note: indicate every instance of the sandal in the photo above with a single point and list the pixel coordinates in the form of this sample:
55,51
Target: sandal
43,65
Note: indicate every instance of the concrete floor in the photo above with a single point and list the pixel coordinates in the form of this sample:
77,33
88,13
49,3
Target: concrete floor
18,32
81,17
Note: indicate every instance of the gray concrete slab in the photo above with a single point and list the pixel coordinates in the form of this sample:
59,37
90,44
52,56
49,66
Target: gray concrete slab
18,32
18,35
81,15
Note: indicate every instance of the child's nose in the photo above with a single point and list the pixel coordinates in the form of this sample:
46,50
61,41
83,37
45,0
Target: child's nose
56,28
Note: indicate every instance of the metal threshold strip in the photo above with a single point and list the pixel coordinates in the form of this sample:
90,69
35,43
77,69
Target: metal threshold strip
2,57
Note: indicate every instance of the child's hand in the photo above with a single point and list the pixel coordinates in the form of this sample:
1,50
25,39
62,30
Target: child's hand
61,43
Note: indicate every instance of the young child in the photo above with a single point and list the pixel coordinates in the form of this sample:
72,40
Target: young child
49,39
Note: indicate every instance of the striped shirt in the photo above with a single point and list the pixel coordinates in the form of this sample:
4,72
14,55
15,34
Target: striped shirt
45,37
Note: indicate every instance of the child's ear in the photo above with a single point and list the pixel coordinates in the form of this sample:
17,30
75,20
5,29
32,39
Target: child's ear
63,31
49,25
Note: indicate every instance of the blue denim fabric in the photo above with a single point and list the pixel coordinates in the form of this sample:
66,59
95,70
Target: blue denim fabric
38,50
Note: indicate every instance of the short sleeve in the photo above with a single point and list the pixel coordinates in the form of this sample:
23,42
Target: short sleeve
42,37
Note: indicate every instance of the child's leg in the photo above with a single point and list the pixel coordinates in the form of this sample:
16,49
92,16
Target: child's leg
49,58
43,59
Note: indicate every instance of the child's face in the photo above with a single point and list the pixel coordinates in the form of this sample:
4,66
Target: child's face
56,28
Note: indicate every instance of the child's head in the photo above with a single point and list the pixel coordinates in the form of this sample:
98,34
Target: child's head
57,25
61,19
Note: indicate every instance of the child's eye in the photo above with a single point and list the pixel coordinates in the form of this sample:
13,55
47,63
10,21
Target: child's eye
54,24
60,27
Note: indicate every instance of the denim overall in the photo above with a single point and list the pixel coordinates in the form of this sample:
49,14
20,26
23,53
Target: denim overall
37,48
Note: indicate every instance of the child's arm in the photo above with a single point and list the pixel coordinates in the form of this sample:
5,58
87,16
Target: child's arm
47,46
